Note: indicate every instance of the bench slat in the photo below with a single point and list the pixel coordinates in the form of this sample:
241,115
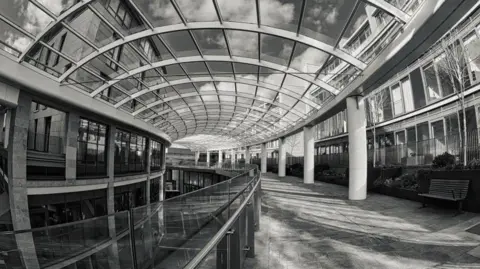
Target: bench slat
453,190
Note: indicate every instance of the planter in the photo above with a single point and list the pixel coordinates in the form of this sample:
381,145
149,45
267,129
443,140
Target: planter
407,194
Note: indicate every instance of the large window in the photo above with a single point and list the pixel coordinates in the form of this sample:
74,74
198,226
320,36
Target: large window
407,94
129,152
472,45
397,99
156,160
91,141
431,83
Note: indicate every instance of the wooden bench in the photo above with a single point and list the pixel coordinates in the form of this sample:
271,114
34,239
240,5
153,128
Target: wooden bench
450,190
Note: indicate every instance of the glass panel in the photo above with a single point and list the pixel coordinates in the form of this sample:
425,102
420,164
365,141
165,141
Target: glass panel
159,12
281,14
244,11
181,43
67,43
242,43
47,60
57,6
174,72
246,71
195,11
358,32
84,80
220,69
445,76
211,41
25,15
308,59
89,25
324,20
17,42
276,49
196,69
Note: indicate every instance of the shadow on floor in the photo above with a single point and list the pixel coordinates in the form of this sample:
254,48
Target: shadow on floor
316,226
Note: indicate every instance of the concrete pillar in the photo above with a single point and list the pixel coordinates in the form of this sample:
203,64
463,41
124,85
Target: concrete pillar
208,158
113,261
6,135
2,122
232,156
263,162
220,158
73,123
148,224
197,156
308,155
247,155
357,141
17,179
282,157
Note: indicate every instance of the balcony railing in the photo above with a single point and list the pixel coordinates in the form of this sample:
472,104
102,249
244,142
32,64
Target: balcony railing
169,234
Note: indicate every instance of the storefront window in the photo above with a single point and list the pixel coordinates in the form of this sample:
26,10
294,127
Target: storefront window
91,156
130,153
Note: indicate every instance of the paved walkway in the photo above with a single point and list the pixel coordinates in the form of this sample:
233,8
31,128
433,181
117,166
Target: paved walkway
316,226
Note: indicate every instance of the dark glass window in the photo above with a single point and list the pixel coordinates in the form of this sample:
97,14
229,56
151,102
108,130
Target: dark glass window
91,156
156,161
130,153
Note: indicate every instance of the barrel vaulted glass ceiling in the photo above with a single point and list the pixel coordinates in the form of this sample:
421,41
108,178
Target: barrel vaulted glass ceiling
245,69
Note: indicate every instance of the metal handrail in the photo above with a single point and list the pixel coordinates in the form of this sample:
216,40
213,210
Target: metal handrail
222,232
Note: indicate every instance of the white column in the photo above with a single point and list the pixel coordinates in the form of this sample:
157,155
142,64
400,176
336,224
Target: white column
232,156
208,158
197,156
264,158
247,155
308,155
282,157
357,148
220,157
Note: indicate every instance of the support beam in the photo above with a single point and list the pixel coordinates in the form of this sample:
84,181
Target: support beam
282,157
197,156
17,180
247,155
71,146
114,259
357,148
308,155
263,163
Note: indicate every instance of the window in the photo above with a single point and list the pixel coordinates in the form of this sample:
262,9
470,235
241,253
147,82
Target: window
472,45
407,94
91,156
397,99
156,160
431,83
130,153
444,76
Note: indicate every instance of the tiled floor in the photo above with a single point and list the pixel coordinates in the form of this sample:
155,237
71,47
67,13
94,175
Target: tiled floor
316,226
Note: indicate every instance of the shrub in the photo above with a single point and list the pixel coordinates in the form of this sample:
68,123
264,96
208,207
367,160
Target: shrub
443,160
321,167
474,164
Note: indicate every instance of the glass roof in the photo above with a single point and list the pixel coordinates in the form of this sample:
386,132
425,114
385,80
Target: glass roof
244,69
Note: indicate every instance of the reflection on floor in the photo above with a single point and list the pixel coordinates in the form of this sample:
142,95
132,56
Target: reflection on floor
316,226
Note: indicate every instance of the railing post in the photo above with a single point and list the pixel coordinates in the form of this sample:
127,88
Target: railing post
251,229
258,204
234,248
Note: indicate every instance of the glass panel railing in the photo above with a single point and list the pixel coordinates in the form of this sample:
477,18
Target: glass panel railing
166,234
